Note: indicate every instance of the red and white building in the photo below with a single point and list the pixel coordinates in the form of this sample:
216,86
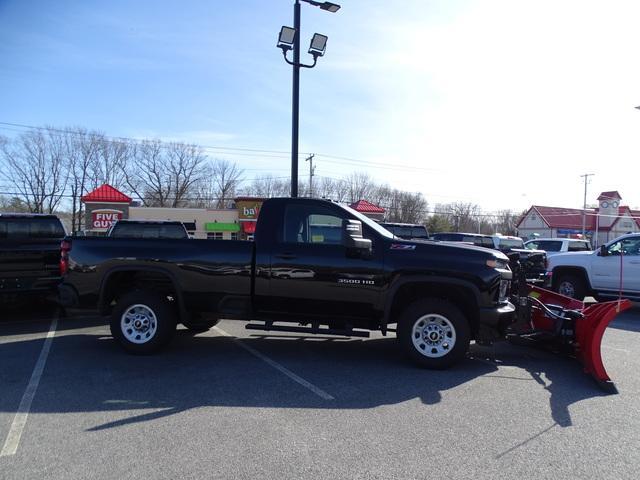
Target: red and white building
606,222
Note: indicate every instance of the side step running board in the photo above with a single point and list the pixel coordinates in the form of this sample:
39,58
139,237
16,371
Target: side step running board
310,330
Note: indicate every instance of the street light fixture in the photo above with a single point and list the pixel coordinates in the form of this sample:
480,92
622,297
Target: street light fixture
289,39
286,38
318,45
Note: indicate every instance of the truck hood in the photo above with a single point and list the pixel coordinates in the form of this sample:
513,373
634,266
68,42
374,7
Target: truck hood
569,258
471,250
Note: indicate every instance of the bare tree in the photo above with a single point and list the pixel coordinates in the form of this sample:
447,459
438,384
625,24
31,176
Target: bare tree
268,186
225,180
164,175
360,186
81,153
186,165
13,204
407,207
34,167
110,162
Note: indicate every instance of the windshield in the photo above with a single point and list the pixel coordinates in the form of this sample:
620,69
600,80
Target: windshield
511,243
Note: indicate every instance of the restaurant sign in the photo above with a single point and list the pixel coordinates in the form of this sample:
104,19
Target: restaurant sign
103,219
248,209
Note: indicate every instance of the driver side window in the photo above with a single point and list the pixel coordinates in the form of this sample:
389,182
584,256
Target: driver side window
628,246
312,224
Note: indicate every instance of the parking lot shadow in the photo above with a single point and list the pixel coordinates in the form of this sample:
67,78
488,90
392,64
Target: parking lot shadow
90,373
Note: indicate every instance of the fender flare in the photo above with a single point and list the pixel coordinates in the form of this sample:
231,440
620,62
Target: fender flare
124,268
583,271
428,279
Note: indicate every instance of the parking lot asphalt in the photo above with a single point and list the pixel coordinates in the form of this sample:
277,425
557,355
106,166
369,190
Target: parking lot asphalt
233,403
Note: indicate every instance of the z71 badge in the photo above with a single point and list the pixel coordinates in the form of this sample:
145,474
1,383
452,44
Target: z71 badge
402,246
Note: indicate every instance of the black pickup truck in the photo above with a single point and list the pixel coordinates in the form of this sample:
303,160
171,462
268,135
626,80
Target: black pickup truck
315,267
29,255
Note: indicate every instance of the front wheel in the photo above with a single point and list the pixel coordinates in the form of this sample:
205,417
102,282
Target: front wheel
142,322
434,333
571,286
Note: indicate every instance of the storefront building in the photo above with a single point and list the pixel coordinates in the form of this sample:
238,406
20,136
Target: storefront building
106,205
610,220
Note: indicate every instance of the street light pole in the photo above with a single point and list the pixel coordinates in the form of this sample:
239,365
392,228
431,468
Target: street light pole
295,102
289,39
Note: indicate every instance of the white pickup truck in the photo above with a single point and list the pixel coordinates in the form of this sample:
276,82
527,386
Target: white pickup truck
613,268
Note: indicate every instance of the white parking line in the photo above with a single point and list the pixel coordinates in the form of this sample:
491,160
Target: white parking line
20,420
318,391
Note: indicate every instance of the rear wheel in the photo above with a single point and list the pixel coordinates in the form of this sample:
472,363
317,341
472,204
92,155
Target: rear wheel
434,333
143,322
571,286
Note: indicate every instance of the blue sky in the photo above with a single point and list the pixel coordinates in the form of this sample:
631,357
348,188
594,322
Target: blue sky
469,95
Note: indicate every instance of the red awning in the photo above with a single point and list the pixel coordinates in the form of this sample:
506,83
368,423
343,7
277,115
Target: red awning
249,227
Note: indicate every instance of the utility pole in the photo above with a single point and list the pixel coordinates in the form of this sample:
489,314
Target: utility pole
312,170
584,204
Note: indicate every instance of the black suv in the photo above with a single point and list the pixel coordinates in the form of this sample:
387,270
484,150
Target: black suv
29,254
410,231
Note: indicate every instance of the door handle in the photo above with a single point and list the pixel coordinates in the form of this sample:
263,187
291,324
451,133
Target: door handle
635,262
286,256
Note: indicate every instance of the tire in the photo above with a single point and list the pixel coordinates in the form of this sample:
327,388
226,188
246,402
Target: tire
571,286
434,333
200,323
156,322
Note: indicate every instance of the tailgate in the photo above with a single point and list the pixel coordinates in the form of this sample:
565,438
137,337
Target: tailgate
29,258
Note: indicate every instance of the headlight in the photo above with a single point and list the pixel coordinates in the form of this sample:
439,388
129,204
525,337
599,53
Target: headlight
504,291
497,263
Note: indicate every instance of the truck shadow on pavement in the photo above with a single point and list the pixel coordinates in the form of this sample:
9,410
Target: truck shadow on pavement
88,372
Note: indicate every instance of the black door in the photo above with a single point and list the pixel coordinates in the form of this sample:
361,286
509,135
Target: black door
312,274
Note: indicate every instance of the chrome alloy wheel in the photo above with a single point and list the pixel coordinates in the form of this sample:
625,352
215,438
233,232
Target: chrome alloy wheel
138,324
433,335
567,289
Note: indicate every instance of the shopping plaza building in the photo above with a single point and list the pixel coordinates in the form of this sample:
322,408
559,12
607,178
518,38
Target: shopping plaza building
106,205
607,221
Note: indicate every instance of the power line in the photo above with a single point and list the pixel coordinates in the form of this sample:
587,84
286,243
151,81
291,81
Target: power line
241,151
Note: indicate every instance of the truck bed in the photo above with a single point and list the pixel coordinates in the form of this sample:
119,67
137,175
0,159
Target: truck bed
207,271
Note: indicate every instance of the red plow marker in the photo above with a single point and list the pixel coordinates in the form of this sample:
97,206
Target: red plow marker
570,325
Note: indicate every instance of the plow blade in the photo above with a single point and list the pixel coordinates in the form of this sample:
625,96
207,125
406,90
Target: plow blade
588,328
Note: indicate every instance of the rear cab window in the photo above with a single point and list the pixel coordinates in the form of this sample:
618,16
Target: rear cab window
579,247
550,245
31,228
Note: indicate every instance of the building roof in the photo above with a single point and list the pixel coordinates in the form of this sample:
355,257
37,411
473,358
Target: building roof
363,206
610,195
571,218
106,194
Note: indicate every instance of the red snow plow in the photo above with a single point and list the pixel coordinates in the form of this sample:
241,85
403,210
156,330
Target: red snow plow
564,324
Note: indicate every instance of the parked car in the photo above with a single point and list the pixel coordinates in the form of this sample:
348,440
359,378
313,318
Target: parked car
440,295
29,254
148,229
611,270
407,230
553,246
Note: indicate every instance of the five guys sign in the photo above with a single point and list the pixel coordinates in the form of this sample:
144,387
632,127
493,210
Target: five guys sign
102,219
